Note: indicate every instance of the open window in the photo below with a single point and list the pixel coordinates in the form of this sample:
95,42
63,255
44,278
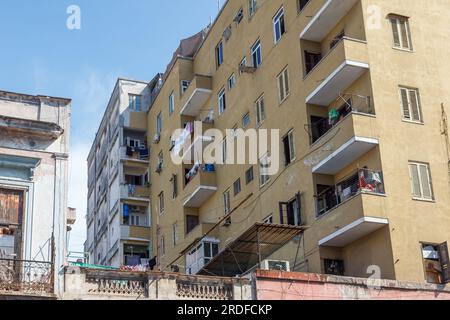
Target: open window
11,216
290,212
436,263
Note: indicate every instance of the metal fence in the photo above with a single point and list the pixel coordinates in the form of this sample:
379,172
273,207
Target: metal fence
26,277
363,180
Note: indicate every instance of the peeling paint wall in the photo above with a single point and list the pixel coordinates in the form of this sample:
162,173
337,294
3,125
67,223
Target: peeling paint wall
46,190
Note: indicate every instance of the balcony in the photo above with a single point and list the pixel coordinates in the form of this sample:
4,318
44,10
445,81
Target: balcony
336,71
139,193
135,156
345,106
355,206
200,186
193,140
326,19
30,278
195,97
136,233
346,142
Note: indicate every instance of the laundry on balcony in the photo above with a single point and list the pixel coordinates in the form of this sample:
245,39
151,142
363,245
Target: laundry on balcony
190,175
364,180
131,190
144,153
129,151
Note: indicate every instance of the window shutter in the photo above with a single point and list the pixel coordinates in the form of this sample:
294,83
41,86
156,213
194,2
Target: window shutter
286,82
415,181
283,209
404,33
262,110
415,107
405,103
281,87
395,32
425,181
445,262
299,213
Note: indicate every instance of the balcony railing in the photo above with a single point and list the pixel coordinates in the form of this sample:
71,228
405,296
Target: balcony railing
132,153
362,181
26,277
345,105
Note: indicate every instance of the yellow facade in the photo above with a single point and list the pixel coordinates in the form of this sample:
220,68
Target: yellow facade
364,65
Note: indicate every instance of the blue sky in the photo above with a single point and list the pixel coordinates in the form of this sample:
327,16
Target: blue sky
118,38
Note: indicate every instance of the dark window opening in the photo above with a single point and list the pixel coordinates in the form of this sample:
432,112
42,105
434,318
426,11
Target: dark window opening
191,223
436,263
290,212
334,267
311,60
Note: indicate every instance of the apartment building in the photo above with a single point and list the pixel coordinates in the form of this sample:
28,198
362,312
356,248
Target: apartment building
358,92
118,214
34,218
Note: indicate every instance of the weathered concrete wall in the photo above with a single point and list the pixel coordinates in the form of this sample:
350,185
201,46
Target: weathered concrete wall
46,188
88,284
275,285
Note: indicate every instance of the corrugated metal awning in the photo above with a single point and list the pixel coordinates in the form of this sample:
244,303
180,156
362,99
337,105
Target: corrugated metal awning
254,245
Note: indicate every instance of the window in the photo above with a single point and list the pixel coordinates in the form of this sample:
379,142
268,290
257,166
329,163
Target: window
337,39
268,220
302,4
264,178
237,187
290,212
278,25
283,85
252,7
171,103
184,85
231,82
401,32
260,111
334,267
160,163
134,102
175,234
161,202
421,181
224,151
226,202
246,120
219,54
249,177
256,54
239,16
174,181
159,123
436,263
411,107
222,102
289,148
191,223
242,65
134,143
162,246
311,60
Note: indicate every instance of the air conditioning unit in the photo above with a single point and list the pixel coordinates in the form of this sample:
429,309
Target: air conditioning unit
156,138
278,265
246,69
